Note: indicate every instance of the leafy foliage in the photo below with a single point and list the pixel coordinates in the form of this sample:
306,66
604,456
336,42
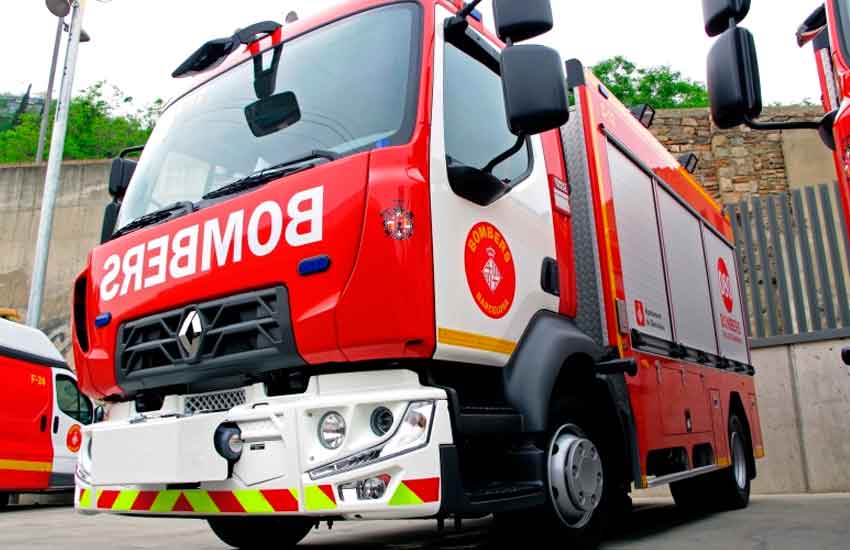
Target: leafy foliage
97,127
661,87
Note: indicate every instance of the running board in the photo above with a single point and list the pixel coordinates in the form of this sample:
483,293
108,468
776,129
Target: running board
679,476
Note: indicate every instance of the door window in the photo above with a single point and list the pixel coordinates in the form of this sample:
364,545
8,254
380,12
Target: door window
476,126
71,401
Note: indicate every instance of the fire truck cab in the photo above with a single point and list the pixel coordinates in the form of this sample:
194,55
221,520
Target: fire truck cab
41,412
373,265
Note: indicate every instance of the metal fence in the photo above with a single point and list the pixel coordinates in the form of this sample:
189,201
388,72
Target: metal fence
794,259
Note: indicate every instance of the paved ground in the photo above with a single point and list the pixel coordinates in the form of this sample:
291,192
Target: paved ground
771,523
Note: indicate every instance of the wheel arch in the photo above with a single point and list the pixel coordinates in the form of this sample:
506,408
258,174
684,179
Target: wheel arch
555,360
549,344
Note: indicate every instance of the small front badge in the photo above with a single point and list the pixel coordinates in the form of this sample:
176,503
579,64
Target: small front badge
191,333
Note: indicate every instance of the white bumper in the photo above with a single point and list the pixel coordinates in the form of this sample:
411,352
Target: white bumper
165,463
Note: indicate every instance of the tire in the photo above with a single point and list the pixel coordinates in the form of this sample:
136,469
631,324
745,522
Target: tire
254,533
733,483
582,532
728,489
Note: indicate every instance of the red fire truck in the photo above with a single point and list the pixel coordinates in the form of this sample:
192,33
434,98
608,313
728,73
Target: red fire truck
374,266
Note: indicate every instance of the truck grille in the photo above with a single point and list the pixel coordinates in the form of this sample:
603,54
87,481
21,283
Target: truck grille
236,336
213,402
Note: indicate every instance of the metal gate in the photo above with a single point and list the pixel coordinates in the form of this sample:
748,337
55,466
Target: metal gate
794,258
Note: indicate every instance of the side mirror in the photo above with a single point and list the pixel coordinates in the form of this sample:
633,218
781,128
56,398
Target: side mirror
120,176
273,114
518,20
734,83
99,414
719,13
535,88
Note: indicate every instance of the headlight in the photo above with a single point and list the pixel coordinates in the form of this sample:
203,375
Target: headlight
382,421
413,433
332,430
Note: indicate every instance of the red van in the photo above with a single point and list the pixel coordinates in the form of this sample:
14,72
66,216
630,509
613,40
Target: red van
41,413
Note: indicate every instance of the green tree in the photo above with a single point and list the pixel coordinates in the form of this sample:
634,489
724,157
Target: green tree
661,87
101,122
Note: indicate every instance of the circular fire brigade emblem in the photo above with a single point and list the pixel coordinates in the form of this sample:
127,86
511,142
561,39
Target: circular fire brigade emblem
725,285
74,439
490,270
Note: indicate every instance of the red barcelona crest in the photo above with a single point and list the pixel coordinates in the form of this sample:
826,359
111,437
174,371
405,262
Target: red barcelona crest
490,270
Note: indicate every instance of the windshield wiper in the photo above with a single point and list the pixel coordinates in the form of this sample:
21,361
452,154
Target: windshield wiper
173,211
281,169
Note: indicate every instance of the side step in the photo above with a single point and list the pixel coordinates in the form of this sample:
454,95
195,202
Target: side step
481,501
489,421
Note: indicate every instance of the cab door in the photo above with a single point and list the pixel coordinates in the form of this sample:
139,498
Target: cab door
488,258
71,411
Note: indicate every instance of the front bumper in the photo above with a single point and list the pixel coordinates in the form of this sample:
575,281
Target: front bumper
165,463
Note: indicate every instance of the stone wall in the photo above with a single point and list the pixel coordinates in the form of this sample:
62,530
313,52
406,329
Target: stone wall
76,230
738,163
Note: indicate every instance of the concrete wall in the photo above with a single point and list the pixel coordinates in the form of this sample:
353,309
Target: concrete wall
76,230
804,401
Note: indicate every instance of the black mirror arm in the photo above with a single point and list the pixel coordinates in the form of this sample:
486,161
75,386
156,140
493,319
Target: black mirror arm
792,125
520,142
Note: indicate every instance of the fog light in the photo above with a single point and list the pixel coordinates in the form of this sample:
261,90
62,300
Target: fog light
332,430
373,488
382,421
228,442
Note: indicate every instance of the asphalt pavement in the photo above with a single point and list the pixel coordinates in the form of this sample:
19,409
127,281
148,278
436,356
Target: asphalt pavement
771,523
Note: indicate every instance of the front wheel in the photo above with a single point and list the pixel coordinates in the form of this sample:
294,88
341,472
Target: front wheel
578,497
255,533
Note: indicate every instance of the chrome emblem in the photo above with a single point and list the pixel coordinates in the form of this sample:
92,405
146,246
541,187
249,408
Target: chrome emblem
190,333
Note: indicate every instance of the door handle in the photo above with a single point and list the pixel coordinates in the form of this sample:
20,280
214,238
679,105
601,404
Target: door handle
56,424
43,425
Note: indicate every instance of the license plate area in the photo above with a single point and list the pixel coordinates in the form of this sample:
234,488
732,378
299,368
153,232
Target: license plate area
172,450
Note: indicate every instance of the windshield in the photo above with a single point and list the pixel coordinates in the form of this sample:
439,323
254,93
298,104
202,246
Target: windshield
355,82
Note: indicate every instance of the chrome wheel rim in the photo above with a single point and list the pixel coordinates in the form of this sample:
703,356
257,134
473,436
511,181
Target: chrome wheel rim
576,478
739,461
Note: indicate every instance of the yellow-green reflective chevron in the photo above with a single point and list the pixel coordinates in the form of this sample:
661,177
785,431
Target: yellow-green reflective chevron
125,500
316,499
253,502
403,496
201,502
165,502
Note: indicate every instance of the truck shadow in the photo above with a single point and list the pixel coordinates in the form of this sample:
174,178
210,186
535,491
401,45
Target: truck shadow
644,522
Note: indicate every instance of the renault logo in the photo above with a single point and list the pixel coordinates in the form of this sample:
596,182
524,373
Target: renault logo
190,333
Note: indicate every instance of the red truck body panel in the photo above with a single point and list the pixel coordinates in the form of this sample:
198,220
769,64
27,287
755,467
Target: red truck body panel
26,407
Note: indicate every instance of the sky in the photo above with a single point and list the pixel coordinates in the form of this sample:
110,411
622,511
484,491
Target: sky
136,44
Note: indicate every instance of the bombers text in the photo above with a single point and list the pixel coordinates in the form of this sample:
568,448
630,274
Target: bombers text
208,245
